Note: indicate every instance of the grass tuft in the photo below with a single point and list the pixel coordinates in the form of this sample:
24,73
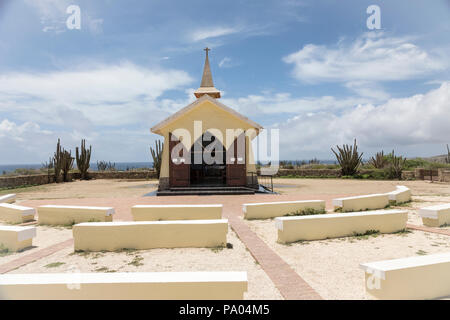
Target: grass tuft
366,235
137,261
54,265
306,212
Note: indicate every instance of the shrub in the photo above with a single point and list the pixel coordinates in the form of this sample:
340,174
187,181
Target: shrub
395,167
349,159
157,156
103,166
379,161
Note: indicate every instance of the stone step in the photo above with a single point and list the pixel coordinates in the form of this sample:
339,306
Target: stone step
202,188
205,192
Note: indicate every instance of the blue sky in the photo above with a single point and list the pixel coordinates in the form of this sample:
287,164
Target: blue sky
312,69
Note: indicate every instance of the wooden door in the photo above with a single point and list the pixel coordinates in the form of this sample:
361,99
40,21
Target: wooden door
179,165
236,163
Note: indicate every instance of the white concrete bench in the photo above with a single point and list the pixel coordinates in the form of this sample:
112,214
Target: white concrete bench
335,225
436,216
125,286
361,203
176,212
111,236
8,198
16,238
402,194
12,213
268,210
419,277
67,215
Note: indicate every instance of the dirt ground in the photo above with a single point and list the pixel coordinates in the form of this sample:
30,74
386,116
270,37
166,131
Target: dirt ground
139,188
160,260
331,267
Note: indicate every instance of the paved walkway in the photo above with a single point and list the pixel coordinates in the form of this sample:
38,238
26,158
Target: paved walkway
289,283
24,260
428,229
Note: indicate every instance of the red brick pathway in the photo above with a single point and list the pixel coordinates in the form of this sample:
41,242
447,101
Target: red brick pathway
287,281
428,229
19,262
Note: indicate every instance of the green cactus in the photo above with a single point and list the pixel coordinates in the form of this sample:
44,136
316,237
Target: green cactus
348,158
379,161
83,157
447,158
67,164
57,162
157,156
395,168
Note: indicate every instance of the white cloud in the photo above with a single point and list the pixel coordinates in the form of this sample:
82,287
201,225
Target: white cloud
269,103
416,125
17,132
85,103
368,89
53,16
371,57
225,62
19,142
207,33
214,36
102,95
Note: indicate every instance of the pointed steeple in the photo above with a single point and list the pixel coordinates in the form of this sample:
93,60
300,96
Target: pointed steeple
207,85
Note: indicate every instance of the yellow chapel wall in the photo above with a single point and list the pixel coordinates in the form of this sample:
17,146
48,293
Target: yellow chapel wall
211,116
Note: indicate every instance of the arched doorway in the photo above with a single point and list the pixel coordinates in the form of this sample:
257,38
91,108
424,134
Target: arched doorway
208,162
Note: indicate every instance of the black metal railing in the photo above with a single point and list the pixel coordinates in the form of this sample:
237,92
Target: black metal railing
252,180
266,181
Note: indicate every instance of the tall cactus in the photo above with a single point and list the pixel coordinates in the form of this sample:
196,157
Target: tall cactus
348,158
57,161
83,157
396,165
67,164
379,161
157,156
447,158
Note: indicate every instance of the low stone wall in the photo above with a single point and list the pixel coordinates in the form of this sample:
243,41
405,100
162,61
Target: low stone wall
329,173
40,179
428,174
408,175
444,175
151,174
34,180
309,172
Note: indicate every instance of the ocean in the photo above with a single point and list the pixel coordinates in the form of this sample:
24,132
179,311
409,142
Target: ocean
122,166
6,168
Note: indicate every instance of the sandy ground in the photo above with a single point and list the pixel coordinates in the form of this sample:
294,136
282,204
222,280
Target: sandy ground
45,236
86,189
162,260
331,267
356,186
139,188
